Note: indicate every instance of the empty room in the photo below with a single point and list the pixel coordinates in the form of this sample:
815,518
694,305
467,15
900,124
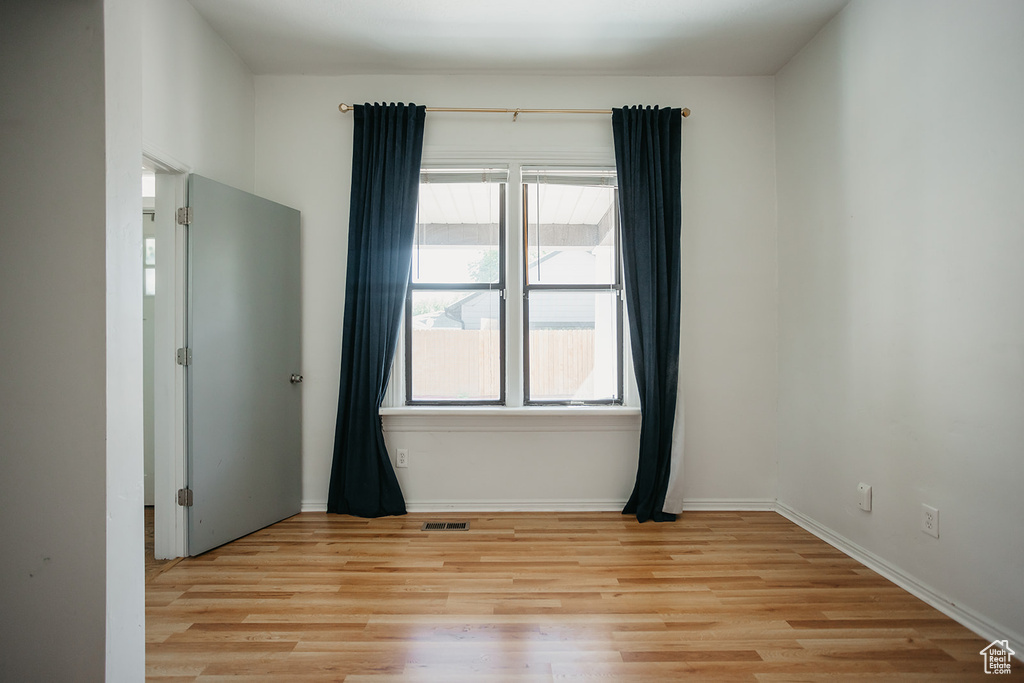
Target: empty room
462,341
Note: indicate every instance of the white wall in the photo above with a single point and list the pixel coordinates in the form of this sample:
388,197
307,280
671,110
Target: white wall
901,352
52,303
70,472
303,152
125,575
197,95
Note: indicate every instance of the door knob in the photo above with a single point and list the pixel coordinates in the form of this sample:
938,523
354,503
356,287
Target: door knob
296,379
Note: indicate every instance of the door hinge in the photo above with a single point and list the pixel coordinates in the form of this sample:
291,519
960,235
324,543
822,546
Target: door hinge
184,356
184,215
185,498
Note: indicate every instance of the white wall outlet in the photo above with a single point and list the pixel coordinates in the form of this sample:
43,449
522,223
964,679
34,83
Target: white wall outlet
864,497
402,457
930,520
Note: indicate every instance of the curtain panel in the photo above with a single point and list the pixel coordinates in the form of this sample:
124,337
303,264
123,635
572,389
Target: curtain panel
648,143
386,152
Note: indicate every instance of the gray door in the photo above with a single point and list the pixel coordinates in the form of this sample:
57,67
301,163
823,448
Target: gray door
244,405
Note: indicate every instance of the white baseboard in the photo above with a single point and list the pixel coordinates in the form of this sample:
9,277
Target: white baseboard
496,506
596,505
968,618
728,505
516,506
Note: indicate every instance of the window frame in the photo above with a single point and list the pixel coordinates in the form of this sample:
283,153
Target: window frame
498,286
515,164
616,287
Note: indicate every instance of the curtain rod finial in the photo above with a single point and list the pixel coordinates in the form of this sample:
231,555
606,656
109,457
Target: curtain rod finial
686,112
346,108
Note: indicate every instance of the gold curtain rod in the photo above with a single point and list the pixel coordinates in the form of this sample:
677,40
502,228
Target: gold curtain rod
345,108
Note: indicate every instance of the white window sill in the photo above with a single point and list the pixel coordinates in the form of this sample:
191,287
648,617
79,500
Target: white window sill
504,419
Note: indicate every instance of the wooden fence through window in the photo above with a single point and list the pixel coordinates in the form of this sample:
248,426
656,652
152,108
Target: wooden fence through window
463,364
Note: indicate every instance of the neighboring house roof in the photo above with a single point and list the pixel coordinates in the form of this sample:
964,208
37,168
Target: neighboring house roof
436,321
556,313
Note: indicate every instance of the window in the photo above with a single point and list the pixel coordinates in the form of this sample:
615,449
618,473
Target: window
149,261
572,311
550,290
455,308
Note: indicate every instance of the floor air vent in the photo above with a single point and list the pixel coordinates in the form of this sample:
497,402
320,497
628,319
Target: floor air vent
444,526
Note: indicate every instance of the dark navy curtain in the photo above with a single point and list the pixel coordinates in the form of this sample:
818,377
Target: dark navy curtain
386,151
648,144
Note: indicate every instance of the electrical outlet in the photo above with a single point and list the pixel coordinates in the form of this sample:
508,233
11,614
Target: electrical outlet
864,497
402,457
930,520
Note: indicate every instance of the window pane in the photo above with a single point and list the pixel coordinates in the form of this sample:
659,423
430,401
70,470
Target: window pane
457,233
150,282
456,342
148,184
573,346
149,251
570,235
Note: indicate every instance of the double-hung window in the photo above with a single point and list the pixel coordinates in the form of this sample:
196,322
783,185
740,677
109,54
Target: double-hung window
556,303
572,310
455,308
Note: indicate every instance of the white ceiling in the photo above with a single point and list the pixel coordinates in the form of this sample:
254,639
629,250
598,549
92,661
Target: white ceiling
557,37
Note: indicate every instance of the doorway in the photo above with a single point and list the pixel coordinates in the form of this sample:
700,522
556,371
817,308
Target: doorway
226,430
163,273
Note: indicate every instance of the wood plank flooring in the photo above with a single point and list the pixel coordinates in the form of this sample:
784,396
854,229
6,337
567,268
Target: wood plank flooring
529,597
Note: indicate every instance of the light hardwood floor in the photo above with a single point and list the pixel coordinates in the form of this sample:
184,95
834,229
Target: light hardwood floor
746,596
